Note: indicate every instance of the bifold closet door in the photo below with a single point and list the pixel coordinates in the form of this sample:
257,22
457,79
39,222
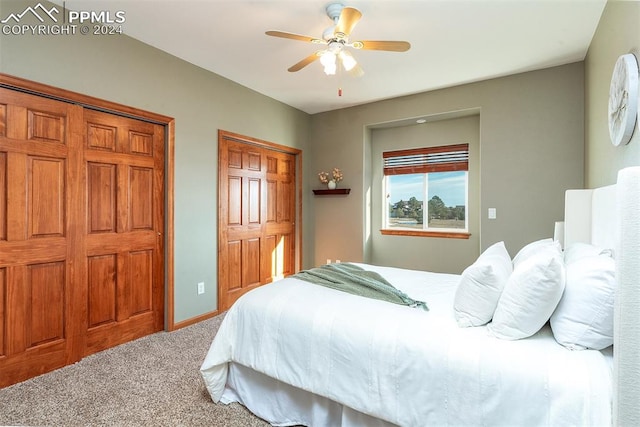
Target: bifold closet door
256,217
81,232
40,203
123,243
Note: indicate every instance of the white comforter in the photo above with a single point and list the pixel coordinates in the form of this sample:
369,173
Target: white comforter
405,365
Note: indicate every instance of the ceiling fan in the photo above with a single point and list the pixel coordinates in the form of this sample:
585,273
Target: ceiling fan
336,41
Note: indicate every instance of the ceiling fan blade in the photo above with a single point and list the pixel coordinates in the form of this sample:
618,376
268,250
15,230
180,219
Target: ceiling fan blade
392,46
293,36
349,17
306,61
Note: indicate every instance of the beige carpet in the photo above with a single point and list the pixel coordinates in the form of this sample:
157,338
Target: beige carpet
154,381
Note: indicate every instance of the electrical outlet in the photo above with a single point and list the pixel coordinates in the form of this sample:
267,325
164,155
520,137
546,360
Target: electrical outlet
328,261
338,261
200,288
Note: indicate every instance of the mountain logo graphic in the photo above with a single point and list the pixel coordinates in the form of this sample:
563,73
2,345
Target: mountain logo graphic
34,11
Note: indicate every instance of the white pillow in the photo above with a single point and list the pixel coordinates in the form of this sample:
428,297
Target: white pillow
481,285
530,295
578,250
532,248
584,316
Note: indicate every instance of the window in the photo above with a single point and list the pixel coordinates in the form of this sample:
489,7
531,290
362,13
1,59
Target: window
437,175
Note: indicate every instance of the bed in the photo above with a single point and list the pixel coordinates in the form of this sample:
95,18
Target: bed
295,353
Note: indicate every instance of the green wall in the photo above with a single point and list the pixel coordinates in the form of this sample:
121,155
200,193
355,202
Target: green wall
618,33
531,151
414,252
531,141
124,70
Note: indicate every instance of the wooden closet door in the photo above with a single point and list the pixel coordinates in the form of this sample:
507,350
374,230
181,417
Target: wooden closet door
279,235
81,224
40,150
123,245
256,217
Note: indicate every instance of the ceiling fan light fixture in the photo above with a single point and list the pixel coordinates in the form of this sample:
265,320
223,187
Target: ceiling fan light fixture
328,61
348,61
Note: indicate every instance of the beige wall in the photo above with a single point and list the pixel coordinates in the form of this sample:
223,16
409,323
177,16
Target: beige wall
531,151
123,70
618,33
428,253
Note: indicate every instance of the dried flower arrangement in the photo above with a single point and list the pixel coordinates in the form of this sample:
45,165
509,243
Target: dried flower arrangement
335,176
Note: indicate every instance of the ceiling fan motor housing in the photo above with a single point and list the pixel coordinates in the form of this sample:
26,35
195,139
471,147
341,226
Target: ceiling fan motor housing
328,33
334,10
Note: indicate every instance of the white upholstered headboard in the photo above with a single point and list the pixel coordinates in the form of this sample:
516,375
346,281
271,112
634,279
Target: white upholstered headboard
590,216
609,217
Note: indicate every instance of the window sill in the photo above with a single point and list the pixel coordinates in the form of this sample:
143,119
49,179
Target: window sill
424,233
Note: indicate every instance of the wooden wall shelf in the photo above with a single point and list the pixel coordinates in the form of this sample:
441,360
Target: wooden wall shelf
337,191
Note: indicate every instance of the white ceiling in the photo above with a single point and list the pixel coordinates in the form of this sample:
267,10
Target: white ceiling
452,42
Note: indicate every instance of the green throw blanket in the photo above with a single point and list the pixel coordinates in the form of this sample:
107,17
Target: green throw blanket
355,280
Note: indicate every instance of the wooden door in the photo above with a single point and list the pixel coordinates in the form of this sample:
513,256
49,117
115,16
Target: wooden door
81,232
123,245
257,211
40,154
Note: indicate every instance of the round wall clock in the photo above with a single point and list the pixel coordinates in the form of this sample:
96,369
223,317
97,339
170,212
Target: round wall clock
623,99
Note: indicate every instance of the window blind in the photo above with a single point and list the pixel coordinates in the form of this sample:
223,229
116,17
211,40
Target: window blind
446,158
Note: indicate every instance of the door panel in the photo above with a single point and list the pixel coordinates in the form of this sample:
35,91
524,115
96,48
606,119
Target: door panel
233,266
46,127
37,153
124,247
45,303
3,194
102,290
101,193
3,119
141,201
141,283
3,310
46,184
256,219
253,207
